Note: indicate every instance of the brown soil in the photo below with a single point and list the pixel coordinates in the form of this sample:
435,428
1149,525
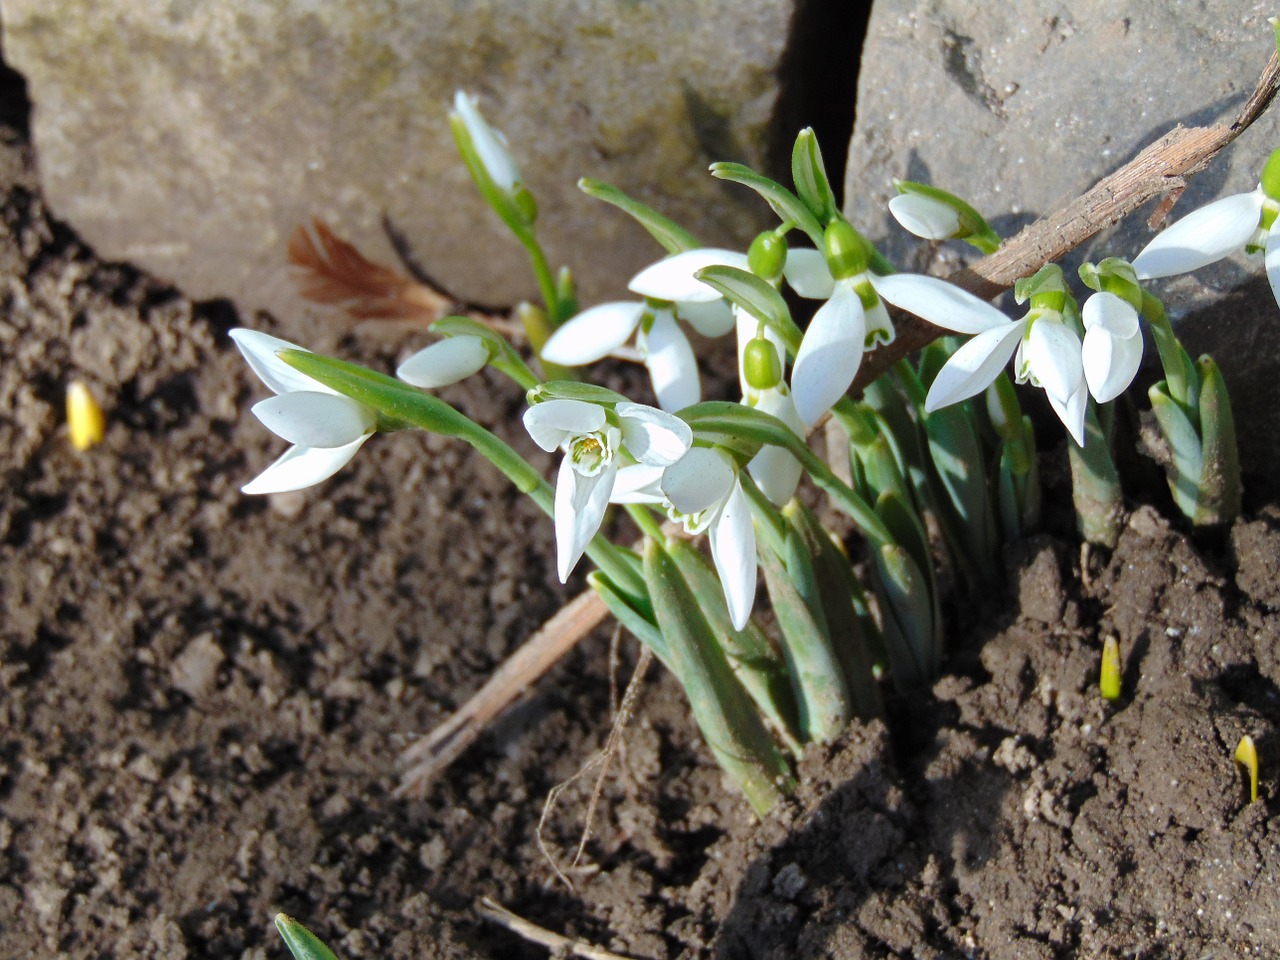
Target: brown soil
204,695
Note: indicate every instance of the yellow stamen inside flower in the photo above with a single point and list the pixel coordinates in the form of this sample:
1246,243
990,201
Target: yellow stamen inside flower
85,419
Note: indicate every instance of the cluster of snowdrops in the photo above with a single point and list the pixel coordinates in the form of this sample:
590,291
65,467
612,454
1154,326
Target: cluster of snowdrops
942,437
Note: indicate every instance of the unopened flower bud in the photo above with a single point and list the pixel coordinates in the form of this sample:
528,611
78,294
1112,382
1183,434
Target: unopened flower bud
767,255
761,366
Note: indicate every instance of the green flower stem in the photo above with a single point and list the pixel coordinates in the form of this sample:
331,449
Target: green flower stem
643,518
843,496
400,405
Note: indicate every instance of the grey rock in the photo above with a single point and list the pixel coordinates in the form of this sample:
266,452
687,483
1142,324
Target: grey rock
190,138
1020,107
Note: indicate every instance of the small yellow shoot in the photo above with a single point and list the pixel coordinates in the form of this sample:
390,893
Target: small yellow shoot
1247,757
1109,679
85,419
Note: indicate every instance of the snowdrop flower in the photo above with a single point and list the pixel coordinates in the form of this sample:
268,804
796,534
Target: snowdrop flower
325,427
1112,349
934,214
490,145
592,436
775,470
702,491
853,320
1048,349
1243,221
670,290
444,362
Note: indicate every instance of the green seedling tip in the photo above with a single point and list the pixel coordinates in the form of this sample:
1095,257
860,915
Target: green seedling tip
1109,679
1247,757
302,943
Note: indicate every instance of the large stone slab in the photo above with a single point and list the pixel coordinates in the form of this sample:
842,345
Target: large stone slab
191,137
1019,107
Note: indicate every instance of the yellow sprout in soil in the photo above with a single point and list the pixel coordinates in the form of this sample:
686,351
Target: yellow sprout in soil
1247,757
1109,679
85,419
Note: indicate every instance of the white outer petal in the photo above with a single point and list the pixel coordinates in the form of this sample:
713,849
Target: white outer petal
942,304
807,272
1110,362
700,479
1271,260
1053,354
302,467
311,419
490,145
711,318
1110,312
1201,237
972,368
733,549
829,354
775,470
579,510
593,334
445,362
671,363
552,422
259,351
653,436
673,279
924,216
1072,412
638,483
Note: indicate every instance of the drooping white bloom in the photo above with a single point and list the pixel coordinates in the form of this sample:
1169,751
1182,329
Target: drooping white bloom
444,362
776,471
925,217
852,321
671,290
490,145
1205,236
1048,350
592,436
702,491
1112,350
325,427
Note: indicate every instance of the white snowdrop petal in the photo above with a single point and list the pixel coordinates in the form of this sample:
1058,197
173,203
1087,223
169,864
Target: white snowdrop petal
1271,260
671,364
302,467
653,436
593,334
1072,412
829,355
924,216
551,422
260,352
775,470
1110,362
711,318
673,279
1053,353
699,479
972,367
942,304
638,483
445,362
733,550
1202,237
490,146
1111,313
312,419
579,509
808,275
